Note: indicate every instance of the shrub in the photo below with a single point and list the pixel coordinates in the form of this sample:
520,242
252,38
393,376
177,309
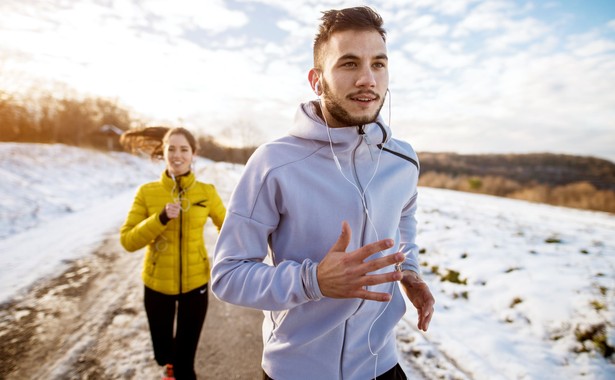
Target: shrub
597,335
454,277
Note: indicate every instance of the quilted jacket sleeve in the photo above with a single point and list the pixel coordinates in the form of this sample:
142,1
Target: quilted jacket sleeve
140,229
217,209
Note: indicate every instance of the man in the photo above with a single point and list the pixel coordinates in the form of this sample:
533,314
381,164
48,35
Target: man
332,299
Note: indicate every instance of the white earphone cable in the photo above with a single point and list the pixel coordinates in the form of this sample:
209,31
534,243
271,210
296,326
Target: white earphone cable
369,218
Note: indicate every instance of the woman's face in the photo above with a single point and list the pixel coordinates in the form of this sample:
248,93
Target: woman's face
178,154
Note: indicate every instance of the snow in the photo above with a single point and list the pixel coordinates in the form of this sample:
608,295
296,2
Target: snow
532,273
530,277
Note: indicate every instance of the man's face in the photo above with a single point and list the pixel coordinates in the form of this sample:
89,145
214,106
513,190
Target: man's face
355,77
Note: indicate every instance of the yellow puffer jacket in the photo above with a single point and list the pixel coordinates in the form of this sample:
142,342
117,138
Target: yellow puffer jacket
176,258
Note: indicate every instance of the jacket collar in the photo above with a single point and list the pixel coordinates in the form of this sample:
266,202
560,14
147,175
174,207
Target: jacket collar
185,181
308,125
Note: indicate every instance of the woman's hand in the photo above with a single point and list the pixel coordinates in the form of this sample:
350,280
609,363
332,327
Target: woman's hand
172,210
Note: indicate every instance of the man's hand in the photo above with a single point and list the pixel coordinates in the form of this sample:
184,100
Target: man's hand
344,274
418,293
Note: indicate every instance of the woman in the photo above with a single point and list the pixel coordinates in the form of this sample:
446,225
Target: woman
168,216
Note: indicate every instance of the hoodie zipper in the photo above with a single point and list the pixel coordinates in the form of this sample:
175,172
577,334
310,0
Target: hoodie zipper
363,196
363,228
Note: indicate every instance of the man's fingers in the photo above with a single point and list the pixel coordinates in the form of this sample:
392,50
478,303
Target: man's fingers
343,240
382,262
425,318
369,249
374,296
426,310
377,279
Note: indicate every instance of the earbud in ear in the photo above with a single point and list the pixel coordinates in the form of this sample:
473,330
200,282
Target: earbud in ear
317,88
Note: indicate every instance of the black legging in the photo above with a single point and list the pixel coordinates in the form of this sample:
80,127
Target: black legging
179,350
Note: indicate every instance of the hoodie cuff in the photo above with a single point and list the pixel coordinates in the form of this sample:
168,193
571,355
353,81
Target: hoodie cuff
310,280
410,266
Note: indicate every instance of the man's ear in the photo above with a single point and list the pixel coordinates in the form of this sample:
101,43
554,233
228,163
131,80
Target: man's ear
314,79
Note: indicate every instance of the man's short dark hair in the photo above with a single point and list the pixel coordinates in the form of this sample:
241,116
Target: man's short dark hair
357,18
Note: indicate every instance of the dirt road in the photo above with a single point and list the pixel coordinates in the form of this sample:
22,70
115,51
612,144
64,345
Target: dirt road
89,323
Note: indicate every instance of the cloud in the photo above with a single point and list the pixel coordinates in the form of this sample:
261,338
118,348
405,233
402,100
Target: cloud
439,54
177,16
465,75
426,26
590,44
517,33
519,104
444,7
487,16
503,80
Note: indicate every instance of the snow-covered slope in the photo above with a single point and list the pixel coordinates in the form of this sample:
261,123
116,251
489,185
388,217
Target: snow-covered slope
523,291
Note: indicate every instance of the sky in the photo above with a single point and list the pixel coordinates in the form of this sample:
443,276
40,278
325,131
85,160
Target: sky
466,76
533,277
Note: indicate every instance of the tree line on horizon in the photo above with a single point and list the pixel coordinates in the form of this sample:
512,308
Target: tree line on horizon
88,122
564,180
556,179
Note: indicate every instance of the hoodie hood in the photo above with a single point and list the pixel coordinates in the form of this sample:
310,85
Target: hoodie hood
308,125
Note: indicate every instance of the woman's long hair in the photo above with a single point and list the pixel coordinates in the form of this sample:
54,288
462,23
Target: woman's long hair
151,140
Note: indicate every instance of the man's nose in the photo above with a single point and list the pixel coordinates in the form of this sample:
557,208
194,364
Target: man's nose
366,78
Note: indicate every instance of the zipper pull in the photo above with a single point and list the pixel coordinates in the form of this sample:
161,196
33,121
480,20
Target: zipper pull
366,139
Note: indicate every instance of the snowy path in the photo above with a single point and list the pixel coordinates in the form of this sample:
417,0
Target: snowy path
89,323
70,324
57,242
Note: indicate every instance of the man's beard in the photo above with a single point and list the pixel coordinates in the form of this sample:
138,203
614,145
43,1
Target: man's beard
334,106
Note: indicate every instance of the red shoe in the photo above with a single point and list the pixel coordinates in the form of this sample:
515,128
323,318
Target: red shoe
168,372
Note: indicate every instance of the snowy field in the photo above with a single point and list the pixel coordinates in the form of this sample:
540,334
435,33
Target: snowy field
523,291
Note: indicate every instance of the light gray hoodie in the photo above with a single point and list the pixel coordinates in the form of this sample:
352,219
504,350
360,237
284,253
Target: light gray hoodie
290,204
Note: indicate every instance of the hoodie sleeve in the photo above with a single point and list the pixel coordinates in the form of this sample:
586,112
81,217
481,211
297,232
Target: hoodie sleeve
240,275
407,228
407,222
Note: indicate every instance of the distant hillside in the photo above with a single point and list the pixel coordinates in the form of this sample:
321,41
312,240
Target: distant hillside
539,168
558,179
